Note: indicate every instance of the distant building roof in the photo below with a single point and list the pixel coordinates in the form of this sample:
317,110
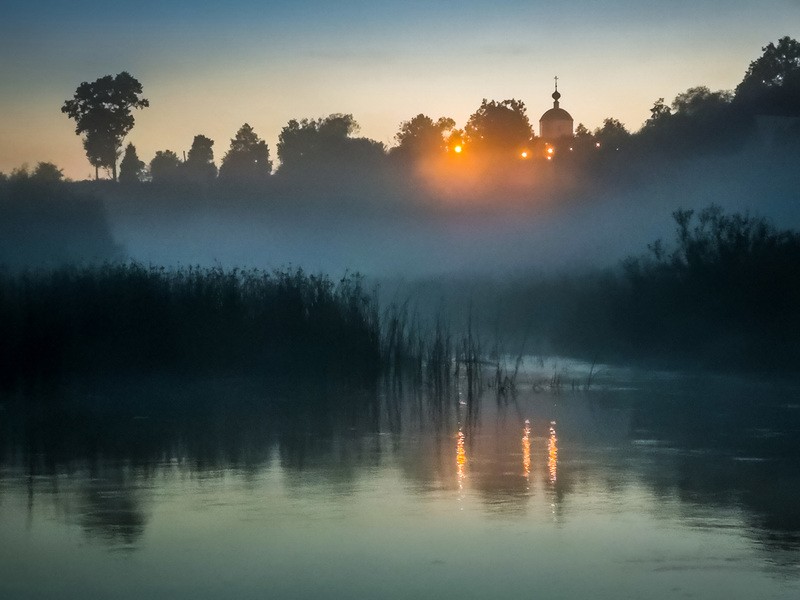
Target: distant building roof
556,114
555,123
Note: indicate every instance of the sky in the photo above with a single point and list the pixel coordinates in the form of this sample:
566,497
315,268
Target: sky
209,67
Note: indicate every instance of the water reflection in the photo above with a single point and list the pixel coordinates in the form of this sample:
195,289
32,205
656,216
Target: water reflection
552,454
649,455
526,452
461,458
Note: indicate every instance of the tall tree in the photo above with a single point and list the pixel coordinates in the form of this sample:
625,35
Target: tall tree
500,127
247,160
199,166
102,111
130,168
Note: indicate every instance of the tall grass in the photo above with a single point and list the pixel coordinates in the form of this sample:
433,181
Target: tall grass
128,319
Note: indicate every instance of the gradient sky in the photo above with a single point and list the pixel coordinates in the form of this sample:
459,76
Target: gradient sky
209,67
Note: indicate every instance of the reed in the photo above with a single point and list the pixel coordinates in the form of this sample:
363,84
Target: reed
128,318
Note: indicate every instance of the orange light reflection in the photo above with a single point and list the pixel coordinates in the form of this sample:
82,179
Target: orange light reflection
552,453
526,450
461,459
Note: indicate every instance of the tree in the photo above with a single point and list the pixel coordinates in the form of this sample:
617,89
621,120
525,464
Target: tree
774,67
199,166
315,141
612,134
700,101
47,172
327,144
771,84
164,167
422,136
247,160
584,141
100,151
658,114
581,131
102,114
499,127
131,168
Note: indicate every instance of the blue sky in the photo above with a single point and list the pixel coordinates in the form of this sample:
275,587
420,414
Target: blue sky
209,67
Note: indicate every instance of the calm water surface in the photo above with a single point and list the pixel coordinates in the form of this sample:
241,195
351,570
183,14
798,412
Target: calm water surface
667,489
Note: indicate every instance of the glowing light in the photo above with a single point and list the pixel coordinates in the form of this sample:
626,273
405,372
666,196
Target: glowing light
552,453
550,151
526,450
524,154
461,459
458,149
597,145
549,158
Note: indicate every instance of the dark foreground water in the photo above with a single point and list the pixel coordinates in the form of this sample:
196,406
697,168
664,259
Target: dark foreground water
663,488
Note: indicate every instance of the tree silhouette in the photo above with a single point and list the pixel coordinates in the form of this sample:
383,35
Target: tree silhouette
771,84
315,141
422,136
131,168
612,135
698,119
247,160
102,114
47,172
100,150
199,166
700,100
164,167
658,114
499,127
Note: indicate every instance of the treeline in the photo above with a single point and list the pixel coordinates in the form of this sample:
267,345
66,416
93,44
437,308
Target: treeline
497,139
118,320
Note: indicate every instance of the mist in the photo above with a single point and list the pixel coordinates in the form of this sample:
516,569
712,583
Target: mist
389,229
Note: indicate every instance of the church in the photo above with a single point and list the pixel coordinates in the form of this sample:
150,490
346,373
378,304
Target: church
555,123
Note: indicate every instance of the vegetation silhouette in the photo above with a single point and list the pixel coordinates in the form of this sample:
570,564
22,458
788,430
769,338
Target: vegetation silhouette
199,167
325,166
771,85
99,322
499,128
422,137
498,153
165,167
102,114
325,146
727,290
247,161
653,307
131,169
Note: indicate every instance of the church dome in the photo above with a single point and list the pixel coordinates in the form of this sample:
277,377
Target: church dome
556,114
555,123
